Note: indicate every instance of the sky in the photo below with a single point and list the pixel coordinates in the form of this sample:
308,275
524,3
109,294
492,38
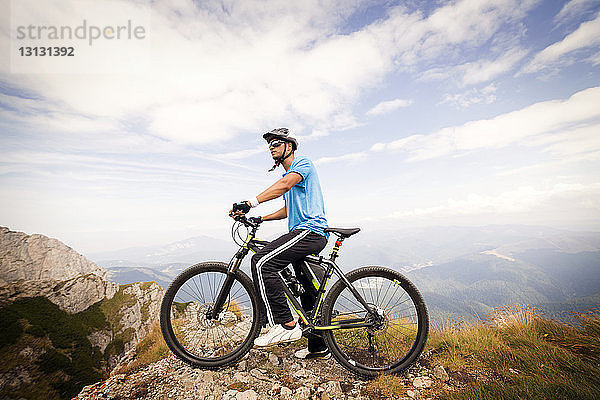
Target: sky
415,113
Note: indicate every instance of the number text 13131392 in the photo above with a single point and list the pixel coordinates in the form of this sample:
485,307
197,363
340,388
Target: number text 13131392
51,51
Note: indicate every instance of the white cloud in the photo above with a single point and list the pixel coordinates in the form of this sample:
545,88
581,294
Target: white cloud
235,155
468,23
226,68
541,118
113,168
477,71
574,9
486,95
223,69
482,71
595,59
350,157
552,165
569,124
521,200
388,106
587,35
579,140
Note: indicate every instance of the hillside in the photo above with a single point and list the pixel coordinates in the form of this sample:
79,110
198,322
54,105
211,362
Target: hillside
514,354
471,287
63,324
66,326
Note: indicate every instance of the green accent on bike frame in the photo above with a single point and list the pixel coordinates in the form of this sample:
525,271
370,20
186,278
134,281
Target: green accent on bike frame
336,326
315,284
301,315
248,239
323,295
397,282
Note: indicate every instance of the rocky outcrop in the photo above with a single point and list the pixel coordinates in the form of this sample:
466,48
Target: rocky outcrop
114,318
261,375
148,297
37,257
36,265
272,374
131,312
73,295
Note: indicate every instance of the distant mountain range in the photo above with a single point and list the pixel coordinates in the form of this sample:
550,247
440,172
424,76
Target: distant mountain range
552,281
162,263
463,272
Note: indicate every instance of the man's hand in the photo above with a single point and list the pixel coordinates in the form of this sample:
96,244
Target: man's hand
240,208
255,220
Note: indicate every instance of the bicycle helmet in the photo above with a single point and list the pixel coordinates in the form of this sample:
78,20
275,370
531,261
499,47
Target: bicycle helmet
285,135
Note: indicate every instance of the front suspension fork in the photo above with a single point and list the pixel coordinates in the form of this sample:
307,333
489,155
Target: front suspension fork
226,287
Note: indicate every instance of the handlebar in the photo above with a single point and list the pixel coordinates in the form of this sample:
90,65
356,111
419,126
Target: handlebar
238,213
245,221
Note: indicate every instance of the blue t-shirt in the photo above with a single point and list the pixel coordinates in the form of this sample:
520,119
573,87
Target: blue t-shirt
304,201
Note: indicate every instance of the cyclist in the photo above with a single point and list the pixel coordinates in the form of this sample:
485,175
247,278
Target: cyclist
305,210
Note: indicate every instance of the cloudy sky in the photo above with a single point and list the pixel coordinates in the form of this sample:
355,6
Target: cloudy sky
416,113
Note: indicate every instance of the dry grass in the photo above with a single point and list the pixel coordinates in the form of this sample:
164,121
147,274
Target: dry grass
151,349
518,353
234,307
386,387
393,341
515,353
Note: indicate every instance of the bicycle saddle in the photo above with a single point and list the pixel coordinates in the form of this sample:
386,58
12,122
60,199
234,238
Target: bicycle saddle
345,232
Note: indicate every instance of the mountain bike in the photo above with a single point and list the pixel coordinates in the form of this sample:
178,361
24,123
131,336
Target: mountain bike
373,319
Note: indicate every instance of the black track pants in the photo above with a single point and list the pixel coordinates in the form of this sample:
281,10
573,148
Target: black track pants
270,260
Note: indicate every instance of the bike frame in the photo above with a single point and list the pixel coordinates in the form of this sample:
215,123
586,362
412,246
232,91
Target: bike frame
311,320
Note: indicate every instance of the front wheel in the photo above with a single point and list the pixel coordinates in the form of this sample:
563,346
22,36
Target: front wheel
186,317
399,323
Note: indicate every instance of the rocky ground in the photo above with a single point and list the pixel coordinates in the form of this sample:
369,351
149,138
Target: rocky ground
262,374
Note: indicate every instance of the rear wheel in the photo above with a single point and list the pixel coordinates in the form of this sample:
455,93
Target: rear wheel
186,323
399,324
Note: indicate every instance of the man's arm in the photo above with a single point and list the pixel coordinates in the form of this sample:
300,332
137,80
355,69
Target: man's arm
279,214
279,188
274,191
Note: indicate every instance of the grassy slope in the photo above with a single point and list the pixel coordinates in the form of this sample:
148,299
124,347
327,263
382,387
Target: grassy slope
515,354
151,349
69,361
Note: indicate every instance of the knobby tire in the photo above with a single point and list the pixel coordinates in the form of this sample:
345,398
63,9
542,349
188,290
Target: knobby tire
198,340
402,335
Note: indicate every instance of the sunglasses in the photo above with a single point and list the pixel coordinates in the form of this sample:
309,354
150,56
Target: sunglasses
276,143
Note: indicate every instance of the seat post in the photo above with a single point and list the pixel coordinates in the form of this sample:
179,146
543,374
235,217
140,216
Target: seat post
336,247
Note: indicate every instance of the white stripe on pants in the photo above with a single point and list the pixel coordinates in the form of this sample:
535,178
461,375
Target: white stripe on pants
266,258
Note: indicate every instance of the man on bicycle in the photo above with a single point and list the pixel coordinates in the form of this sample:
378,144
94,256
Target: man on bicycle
305,210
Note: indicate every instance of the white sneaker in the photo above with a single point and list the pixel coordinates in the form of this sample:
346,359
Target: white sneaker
304,354
265,330
278,334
